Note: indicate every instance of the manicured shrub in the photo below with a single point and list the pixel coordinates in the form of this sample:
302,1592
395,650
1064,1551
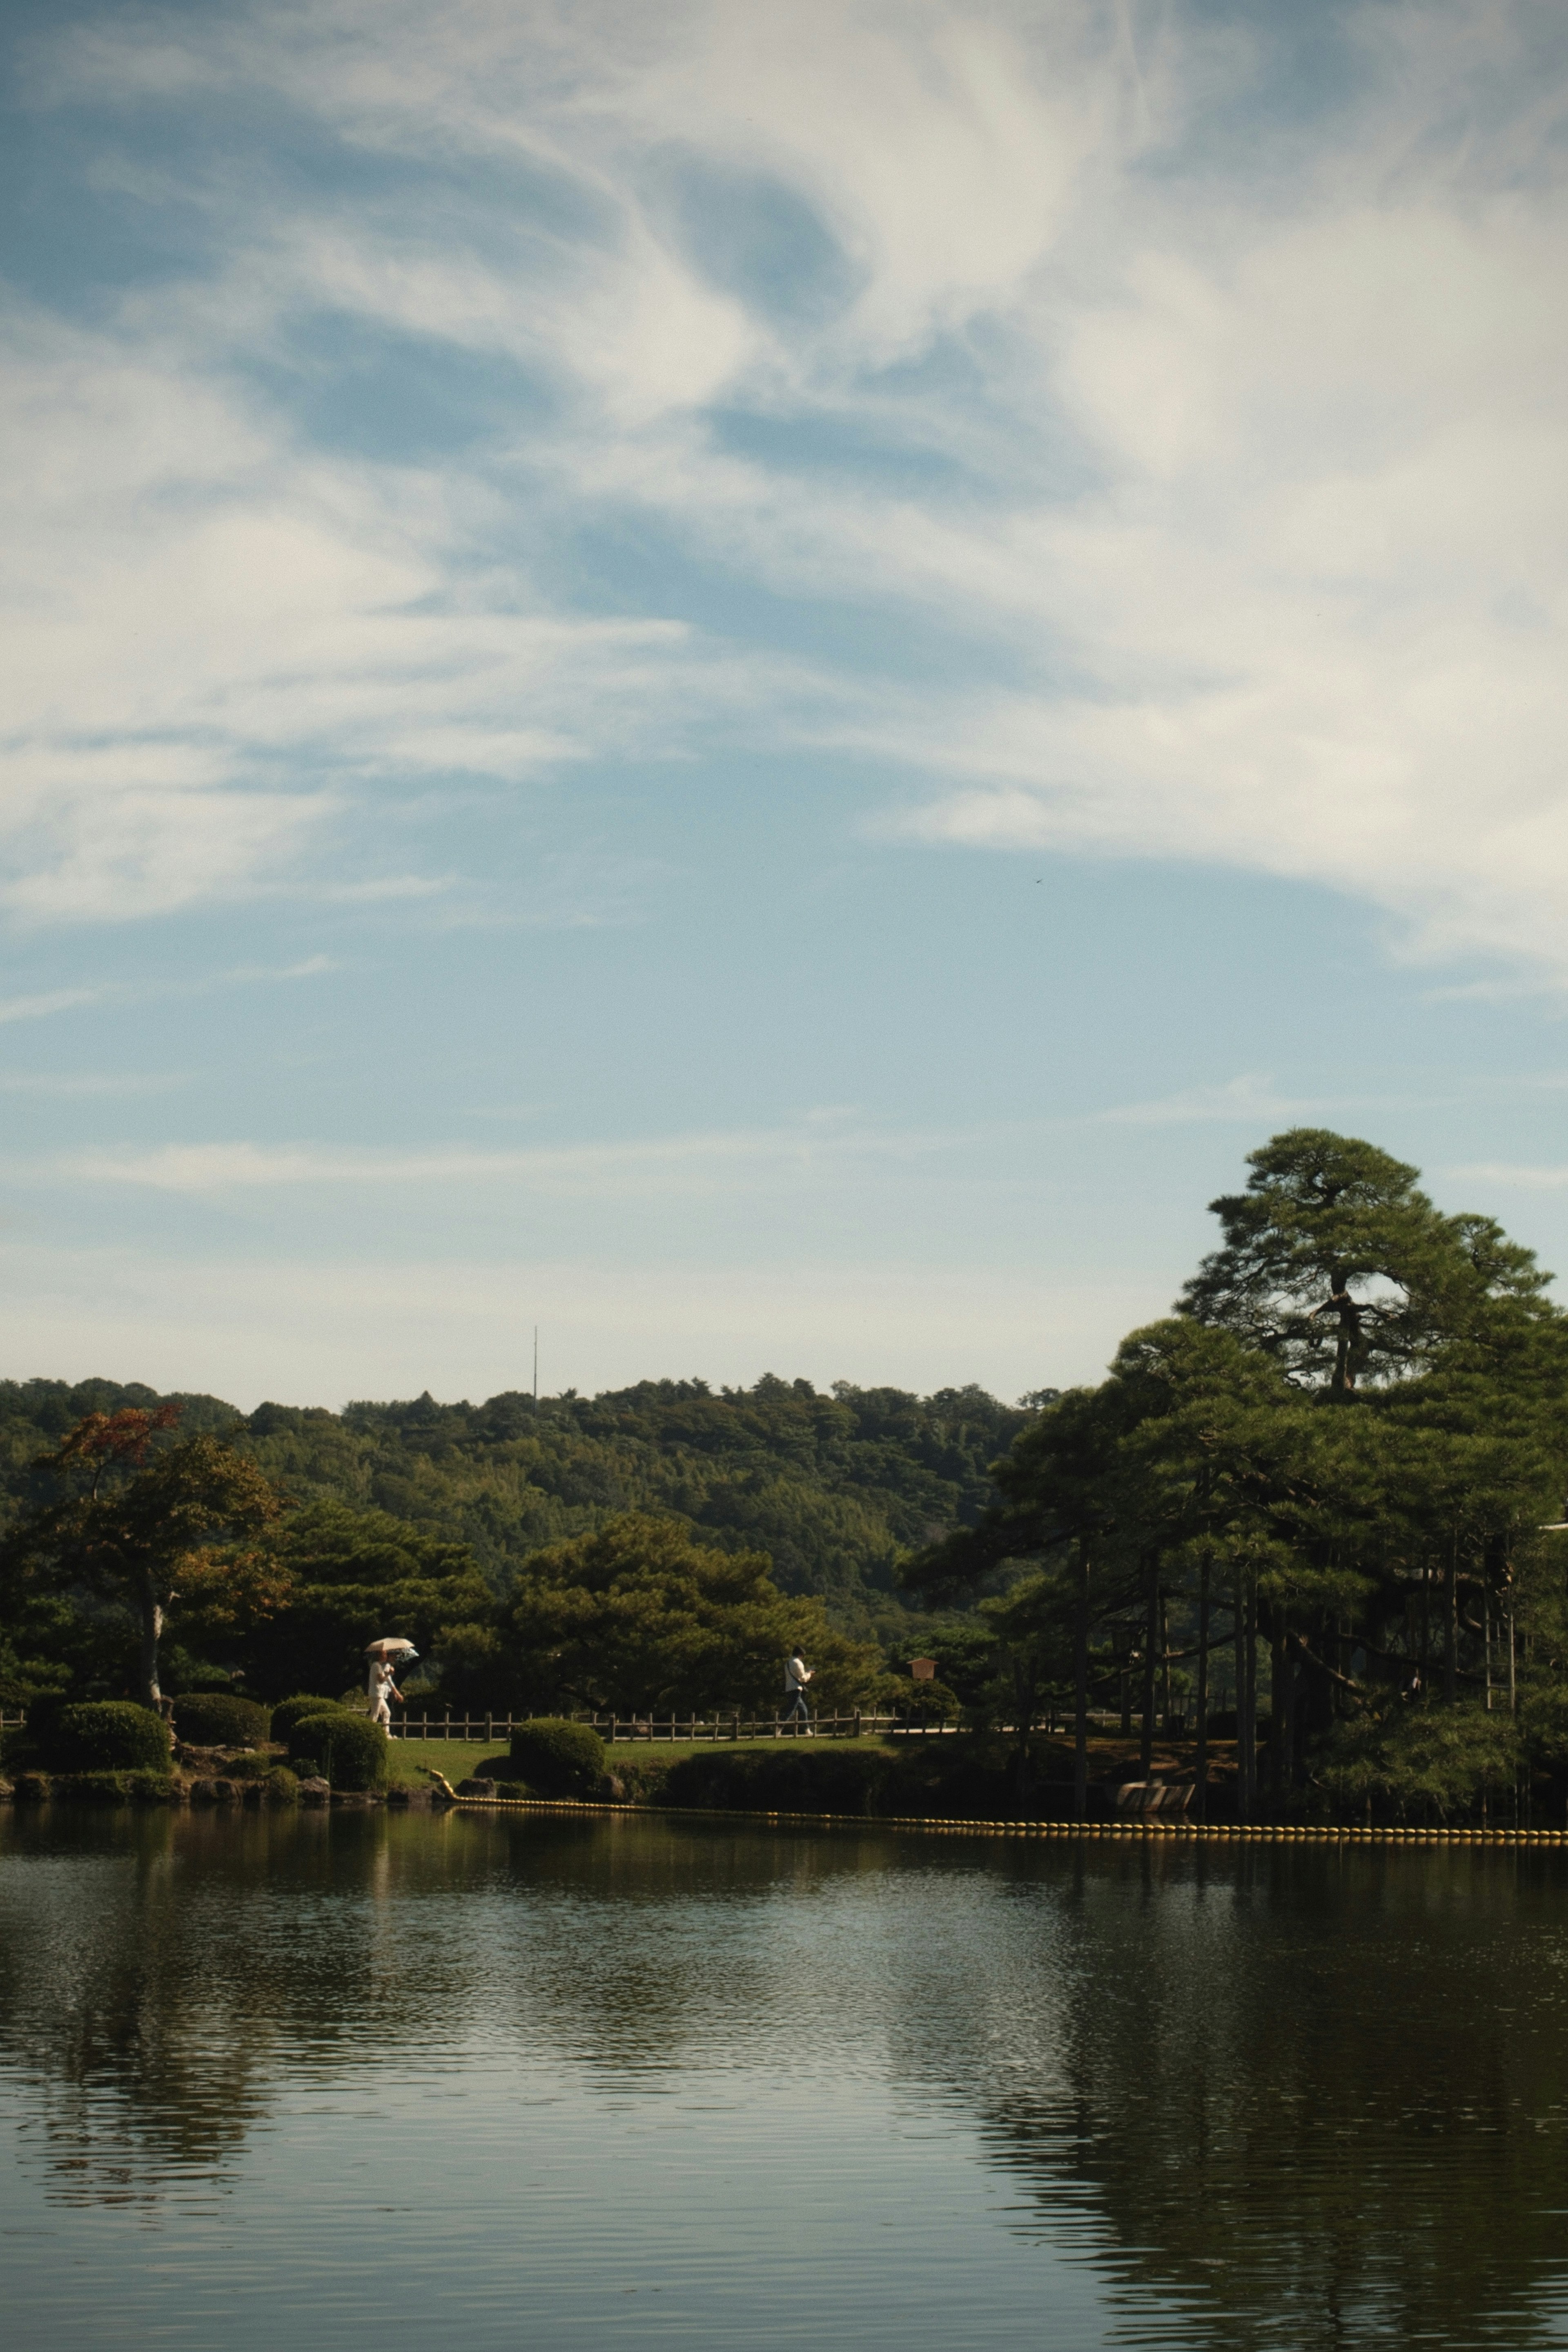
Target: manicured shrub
108,1736
93,1788
281,1787
221,1719
249,1767
513,1789
644,1779
150,1788
290,1711
350,1749
791,1778
559,1758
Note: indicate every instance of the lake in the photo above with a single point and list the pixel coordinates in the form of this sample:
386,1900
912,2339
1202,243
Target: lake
277,2081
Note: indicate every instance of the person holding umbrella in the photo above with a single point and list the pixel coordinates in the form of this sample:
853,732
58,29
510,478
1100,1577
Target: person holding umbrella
385,1657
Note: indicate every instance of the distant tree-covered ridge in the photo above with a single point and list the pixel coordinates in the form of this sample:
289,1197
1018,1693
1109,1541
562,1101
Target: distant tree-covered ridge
834,1488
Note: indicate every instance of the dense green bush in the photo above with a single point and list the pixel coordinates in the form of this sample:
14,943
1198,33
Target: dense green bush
115,1788
349,1750
92,1787
249,1767
557,1757
644,1778
793,1779
107,1736
281,1787
962,1779
290,1711
221,1719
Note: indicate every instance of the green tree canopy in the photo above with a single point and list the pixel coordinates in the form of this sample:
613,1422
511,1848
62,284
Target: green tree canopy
638,1619
1336,1264
148,1518
356,1576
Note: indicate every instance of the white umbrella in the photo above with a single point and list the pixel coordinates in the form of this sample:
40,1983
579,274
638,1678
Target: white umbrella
391,1645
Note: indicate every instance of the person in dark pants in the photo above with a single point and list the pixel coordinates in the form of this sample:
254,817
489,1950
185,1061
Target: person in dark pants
798,1674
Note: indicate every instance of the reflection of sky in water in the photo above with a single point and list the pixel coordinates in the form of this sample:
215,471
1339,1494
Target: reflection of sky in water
289,2082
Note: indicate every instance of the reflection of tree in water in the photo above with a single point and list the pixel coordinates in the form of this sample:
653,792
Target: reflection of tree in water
158,1970
1292,2098
165,1977
123,2026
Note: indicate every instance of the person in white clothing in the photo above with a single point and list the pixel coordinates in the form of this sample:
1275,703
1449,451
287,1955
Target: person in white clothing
798,1674
382,1687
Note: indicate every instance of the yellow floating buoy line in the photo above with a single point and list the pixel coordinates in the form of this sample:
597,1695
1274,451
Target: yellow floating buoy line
1180,1832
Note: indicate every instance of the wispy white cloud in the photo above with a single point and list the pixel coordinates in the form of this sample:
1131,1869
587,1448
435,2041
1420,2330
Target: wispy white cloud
47,1001
642,1166
311,966
1250,1101
1245,457
91,1085
39,1006
1514,1175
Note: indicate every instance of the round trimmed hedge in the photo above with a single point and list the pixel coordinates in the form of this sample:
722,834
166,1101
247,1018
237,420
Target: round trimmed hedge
290,1711
221,1719
350,1748
109,1735
559,1758
114,1788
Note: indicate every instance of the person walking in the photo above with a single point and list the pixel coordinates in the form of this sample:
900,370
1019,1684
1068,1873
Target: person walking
382,1687
798,1674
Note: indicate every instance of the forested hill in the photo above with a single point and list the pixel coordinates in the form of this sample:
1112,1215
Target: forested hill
834,1487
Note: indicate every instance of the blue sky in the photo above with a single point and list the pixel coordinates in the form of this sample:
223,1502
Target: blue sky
756,684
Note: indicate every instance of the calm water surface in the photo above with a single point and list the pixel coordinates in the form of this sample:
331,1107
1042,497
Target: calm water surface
276,2083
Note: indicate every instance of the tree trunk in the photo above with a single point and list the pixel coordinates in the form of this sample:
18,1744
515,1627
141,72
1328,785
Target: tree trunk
1201,1791
1245,1699
1512,1690
1080,1687
1426,1627
1277,1703
1151,1663
1164,1669
1451,1627
152,1634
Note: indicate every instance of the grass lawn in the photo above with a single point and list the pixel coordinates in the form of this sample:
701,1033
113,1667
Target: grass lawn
459,1757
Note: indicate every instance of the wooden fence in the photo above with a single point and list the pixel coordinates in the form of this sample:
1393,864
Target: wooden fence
495,1729
616,1729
